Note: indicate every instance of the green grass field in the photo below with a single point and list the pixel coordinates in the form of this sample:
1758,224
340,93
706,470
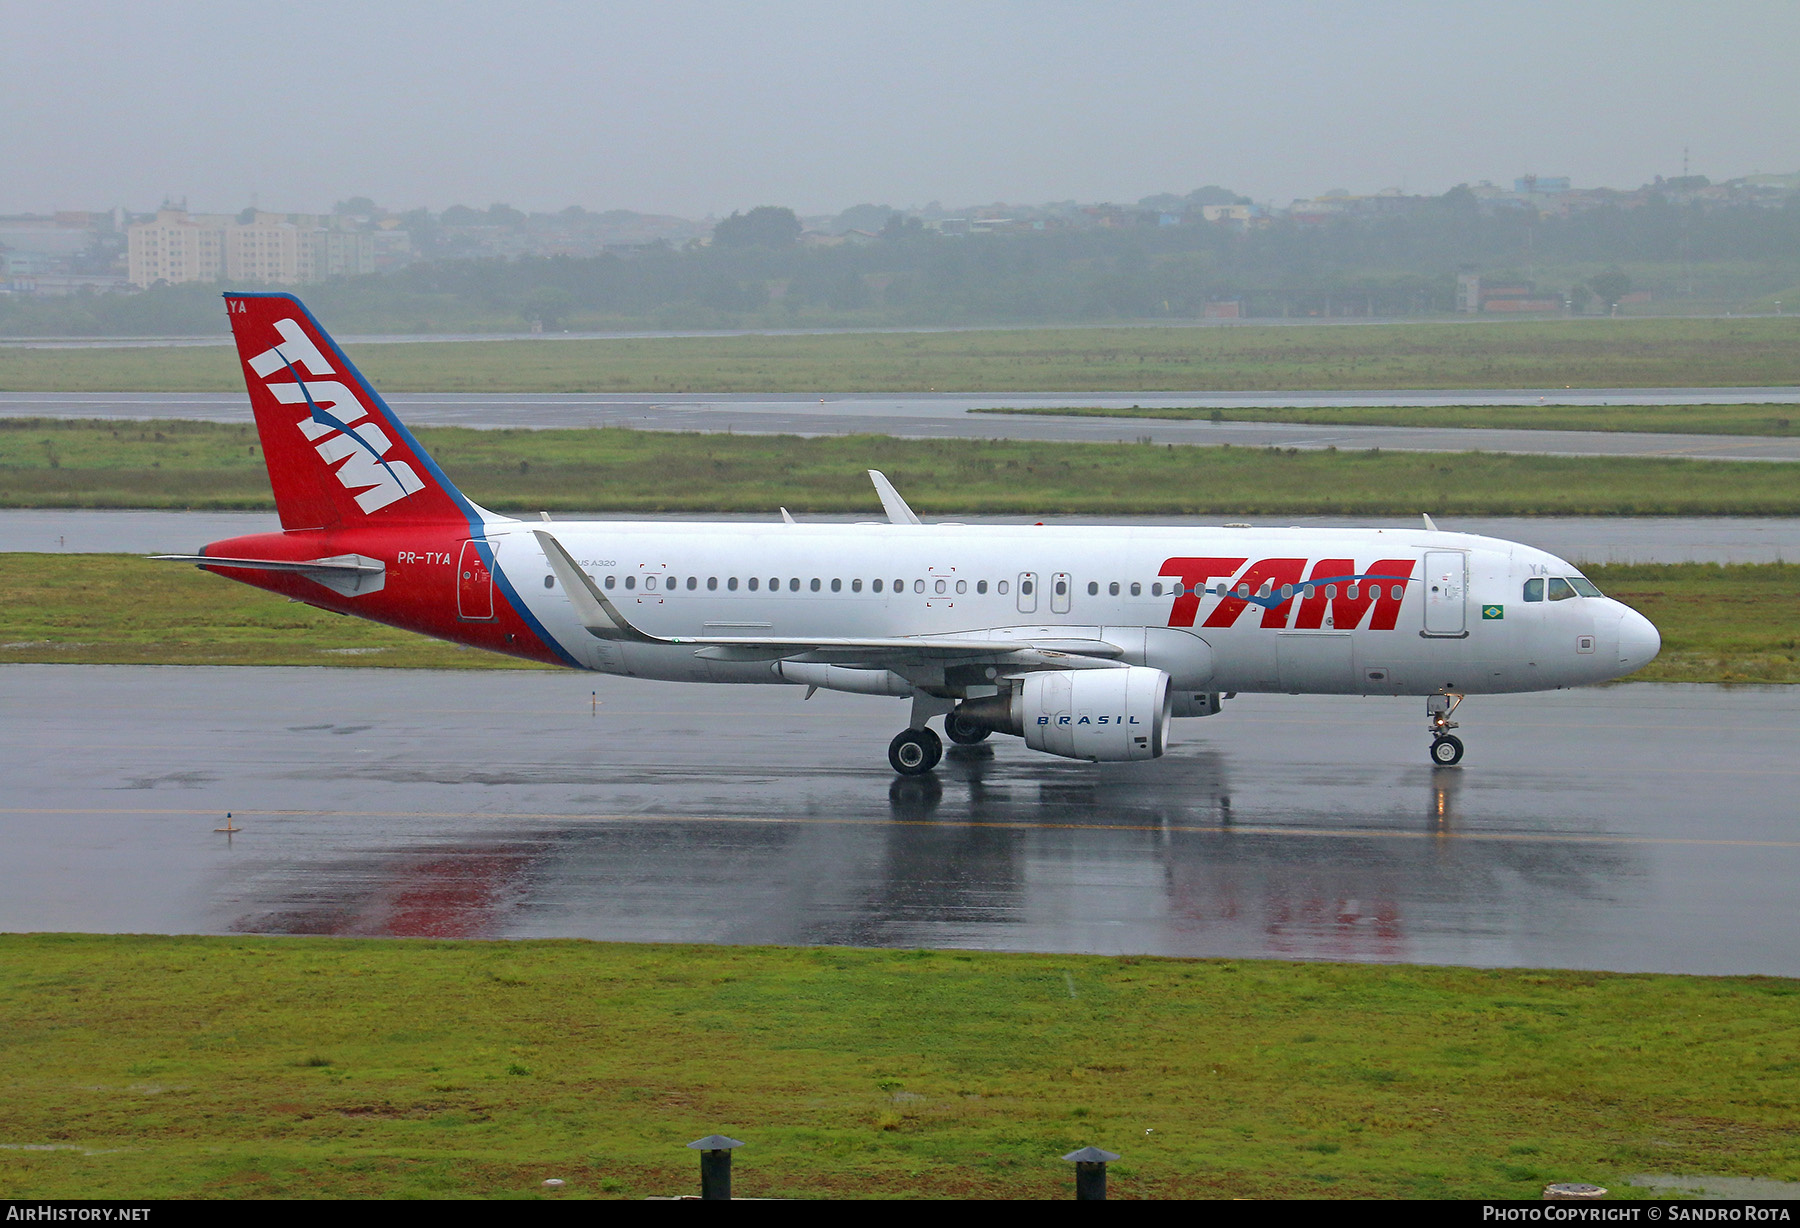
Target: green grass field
1471,354
116,609
143,1067
1767,419
184,464
1719,624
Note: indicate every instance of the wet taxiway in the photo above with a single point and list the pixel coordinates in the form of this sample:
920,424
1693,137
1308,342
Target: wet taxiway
949,416
1633,827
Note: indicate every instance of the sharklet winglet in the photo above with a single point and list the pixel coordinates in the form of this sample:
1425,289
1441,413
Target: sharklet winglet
891,502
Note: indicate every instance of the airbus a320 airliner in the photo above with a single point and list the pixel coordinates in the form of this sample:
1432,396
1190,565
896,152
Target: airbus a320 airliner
1083,641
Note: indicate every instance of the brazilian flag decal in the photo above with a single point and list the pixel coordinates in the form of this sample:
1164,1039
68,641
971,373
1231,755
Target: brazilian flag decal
1491,612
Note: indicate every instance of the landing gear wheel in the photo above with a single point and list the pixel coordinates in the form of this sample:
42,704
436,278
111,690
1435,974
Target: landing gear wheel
1447,751
913,752
965,732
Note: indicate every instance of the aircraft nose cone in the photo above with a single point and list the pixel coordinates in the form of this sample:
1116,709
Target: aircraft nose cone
1639,641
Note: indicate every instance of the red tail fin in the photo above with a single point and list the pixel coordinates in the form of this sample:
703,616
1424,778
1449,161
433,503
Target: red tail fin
337,456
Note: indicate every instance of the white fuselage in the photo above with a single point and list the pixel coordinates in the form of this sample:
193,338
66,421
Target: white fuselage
1301,610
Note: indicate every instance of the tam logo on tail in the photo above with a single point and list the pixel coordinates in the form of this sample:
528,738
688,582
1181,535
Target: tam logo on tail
335,451
362,449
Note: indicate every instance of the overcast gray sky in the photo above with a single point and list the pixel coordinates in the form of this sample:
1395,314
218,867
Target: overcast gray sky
692,108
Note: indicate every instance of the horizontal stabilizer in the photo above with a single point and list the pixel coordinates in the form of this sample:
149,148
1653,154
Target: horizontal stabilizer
349,574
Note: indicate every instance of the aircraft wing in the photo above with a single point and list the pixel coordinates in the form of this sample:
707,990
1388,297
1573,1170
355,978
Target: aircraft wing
604,621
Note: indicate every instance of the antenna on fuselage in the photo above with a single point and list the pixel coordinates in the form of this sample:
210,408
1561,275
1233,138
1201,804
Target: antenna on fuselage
1429,523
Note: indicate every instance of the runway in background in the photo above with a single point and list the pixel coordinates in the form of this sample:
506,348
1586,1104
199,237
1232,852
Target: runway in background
947,416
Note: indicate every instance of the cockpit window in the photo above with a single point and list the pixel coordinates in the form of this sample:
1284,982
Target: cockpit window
1585,586
1561,589
1534,589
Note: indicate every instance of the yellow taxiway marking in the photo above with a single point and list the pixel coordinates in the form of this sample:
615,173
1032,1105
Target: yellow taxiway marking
1222,829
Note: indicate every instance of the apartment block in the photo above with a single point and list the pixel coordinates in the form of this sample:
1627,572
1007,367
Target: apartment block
269,248
178,246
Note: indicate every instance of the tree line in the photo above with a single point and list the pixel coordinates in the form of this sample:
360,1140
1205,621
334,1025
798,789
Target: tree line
760,271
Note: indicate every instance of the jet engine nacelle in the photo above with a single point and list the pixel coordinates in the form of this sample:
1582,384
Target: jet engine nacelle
1105,715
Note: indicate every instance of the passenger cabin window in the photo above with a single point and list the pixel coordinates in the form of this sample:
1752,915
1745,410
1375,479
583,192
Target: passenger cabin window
856,586
732,584
1561,589
837,586
754,582
981,586
611,580
1001,588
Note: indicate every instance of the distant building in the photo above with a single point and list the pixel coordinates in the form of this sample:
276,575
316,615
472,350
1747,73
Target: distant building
1389,202
1473,295
177,247
61,253
290,249
1468,292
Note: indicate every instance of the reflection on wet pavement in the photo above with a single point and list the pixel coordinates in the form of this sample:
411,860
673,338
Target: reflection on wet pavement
1634,827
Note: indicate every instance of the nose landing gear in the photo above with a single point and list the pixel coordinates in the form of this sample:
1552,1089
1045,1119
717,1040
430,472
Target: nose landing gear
1446,747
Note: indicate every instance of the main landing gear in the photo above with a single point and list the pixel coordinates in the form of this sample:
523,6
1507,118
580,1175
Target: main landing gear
964,732
913,752
1446,747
